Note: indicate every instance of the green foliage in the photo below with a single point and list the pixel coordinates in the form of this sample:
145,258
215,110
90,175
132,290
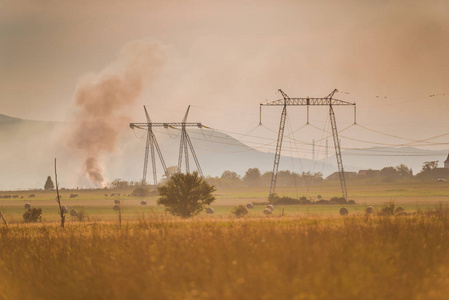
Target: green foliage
240,211
49,185
119,184
186,195
388,209
141,192
338,200
252,177
32,215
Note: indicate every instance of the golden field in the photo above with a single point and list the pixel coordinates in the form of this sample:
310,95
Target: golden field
353,257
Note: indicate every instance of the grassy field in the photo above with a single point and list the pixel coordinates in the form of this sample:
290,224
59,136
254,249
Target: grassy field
298,252
412,196
355,257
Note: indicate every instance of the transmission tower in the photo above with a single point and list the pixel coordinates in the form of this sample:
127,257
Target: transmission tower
326,101
186,144
152,144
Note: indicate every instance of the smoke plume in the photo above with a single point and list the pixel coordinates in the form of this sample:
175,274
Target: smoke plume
103,101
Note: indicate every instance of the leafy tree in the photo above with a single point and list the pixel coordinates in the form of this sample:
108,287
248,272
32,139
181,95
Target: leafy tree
240,211
229,175
404,171
186,195
119,184
49,185
389,172
252,176
429,166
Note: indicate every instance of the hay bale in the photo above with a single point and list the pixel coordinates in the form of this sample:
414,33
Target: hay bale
210,210
116,207
27,206
64,209
267,211
369,210
143,202
116,201
344,211
271,207
249,206
73,213
399,210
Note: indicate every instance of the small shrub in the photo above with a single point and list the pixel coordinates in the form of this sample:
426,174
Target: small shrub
32,215
286,201
239,211
338,200
388,209
141,192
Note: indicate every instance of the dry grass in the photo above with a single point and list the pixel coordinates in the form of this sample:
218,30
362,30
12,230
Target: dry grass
265,258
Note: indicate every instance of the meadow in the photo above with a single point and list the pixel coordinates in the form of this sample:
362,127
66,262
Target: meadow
353,257
298,252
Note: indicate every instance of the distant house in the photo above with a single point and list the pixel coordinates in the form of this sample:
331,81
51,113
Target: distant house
446,162
336,175
369,172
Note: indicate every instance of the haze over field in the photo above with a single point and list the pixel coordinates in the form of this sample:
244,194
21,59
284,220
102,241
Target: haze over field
96,64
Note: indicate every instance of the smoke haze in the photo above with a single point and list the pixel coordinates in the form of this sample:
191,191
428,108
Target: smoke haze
103,101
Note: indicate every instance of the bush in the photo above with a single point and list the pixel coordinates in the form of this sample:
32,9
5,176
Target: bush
186,195
338,200
32,215
287,201
240,211
141,192
388,209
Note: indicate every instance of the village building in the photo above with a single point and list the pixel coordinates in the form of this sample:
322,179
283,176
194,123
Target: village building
446,162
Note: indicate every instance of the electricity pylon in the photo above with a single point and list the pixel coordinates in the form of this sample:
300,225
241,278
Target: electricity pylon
185,144
151,144
326,101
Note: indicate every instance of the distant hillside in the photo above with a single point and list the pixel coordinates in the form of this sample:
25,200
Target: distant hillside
29,148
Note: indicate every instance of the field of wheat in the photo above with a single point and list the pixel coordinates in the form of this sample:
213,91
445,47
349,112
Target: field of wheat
295,257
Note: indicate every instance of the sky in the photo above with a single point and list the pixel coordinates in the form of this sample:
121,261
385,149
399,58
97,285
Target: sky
224,58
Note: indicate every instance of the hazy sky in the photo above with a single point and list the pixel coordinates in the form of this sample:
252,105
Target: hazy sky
225,57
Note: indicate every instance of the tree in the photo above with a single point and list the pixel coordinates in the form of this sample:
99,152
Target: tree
229,175
186,195
428,166
119,184
404,171
252,176
49,185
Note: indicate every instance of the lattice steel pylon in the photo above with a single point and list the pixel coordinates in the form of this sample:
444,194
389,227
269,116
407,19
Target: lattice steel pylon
152,144
326,101
186,144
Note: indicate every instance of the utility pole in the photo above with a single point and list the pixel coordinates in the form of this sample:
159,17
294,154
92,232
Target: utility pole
326,101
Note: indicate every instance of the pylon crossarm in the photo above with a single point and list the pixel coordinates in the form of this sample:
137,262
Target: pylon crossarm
307,101
166,125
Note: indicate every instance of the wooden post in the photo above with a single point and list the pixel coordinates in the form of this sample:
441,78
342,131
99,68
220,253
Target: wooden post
58,198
